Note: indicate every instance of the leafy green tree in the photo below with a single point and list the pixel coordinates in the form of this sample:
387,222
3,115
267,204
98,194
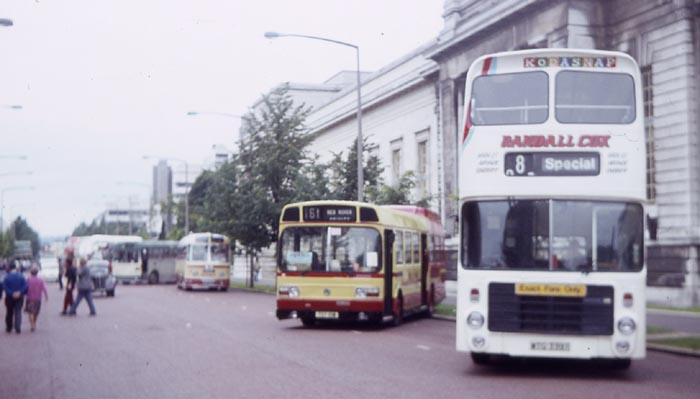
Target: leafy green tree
197,203
343,180
21,231
270,162
7,244
399,194
313,183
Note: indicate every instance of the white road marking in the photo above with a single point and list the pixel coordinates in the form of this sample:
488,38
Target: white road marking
271,314
356,332
188,325
423,347
243,307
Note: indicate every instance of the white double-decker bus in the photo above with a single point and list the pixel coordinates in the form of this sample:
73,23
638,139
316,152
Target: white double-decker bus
552,184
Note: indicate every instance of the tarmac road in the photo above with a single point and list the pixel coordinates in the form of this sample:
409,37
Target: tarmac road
159,342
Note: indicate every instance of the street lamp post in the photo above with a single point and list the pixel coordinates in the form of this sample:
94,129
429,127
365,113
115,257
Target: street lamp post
2,201
135,183
360,171
187,187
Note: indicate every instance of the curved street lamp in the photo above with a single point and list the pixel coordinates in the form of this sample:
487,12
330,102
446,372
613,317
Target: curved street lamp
360,172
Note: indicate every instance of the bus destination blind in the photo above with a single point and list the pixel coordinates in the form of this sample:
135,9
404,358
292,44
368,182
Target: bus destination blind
552,164
329,213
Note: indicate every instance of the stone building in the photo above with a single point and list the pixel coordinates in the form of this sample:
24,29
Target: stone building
420,99
662,35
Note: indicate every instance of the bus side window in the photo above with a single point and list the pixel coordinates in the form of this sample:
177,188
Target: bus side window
416,247
407,247
398,245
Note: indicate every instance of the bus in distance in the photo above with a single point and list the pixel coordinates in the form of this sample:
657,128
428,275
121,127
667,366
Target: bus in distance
351,261
552,185
203,262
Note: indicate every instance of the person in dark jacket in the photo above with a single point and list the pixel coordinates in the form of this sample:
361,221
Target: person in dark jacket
71,277
15,286
84,288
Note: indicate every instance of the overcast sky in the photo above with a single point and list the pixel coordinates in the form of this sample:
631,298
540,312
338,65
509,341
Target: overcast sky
103,83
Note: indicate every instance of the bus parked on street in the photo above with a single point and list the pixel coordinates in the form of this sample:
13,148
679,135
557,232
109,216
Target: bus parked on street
124,261
341,260
157,260
552,184
203,262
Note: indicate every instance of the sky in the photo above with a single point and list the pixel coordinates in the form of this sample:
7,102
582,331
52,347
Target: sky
104,83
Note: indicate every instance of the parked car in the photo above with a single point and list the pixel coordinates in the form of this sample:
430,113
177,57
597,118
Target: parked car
48,269
102,278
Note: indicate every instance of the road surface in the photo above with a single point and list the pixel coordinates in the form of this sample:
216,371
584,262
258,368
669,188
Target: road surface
159,342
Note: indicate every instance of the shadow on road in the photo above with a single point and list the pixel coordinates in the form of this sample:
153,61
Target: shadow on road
552,368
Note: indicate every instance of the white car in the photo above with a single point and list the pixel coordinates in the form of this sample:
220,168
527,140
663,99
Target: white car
49,269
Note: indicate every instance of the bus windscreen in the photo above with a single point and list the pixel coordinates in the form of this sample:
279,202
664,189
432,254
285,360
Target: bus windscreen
330,249
509,99
586,236
594,97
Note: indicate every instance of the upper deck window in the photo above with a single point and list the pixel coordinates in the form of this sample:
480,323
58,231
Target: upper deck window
510,99
594,97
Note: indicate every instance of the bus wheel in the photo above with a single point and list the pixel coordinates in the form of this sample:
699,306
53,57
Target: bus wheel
480,359
431,302
620,364
398,317
308,321
153,278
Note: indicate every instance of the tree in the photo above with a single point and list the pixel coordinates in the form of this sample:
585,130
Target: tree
313,182
399,194
245,196
21,231
343,179
197,203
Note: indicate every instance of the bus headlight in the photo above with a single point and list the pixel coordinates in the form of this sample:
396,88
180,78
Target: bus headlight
475,320
363,292
291,291
622,346
626,326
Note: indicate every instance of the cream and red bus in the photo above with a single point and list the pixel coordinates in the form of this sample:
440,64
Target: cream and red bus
352,261
552,185
203,262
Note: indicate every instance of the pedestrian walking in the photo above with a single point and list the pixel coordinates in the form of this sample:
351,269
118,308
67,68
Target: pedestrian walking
71,277
61,271
35,287
15,286
84,288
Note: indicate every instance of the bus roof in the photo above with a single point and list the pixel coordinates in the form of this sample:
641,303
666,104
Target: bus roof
158,244
398,216
193,238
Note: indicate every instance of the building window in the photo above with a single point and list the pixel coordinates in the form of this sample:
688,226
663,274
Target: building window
396,161
648,91
422,167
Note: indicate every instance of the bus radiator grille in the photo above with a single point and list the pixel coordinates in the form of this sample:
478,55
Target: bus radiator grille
589,315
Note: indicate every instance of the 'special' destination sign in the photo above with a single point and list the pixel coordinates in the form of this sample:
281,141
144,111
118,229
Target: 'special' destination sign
552,164
329,213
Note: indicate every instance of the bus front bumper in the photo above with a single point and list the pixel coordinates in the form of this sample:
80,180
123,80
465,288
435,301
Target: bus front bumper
206,283
341,310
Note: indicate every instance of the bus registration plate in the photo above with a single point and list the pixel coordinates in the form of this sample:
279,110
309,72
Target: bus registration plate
550,289
550,346
326,315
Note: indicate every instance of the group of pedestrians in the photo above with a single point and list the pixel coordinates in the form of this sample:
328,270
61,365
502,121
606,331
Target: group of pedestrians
18,289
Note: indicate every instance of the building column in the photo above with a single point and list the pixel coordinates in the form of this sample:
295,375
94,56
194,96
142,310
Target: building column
449,132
